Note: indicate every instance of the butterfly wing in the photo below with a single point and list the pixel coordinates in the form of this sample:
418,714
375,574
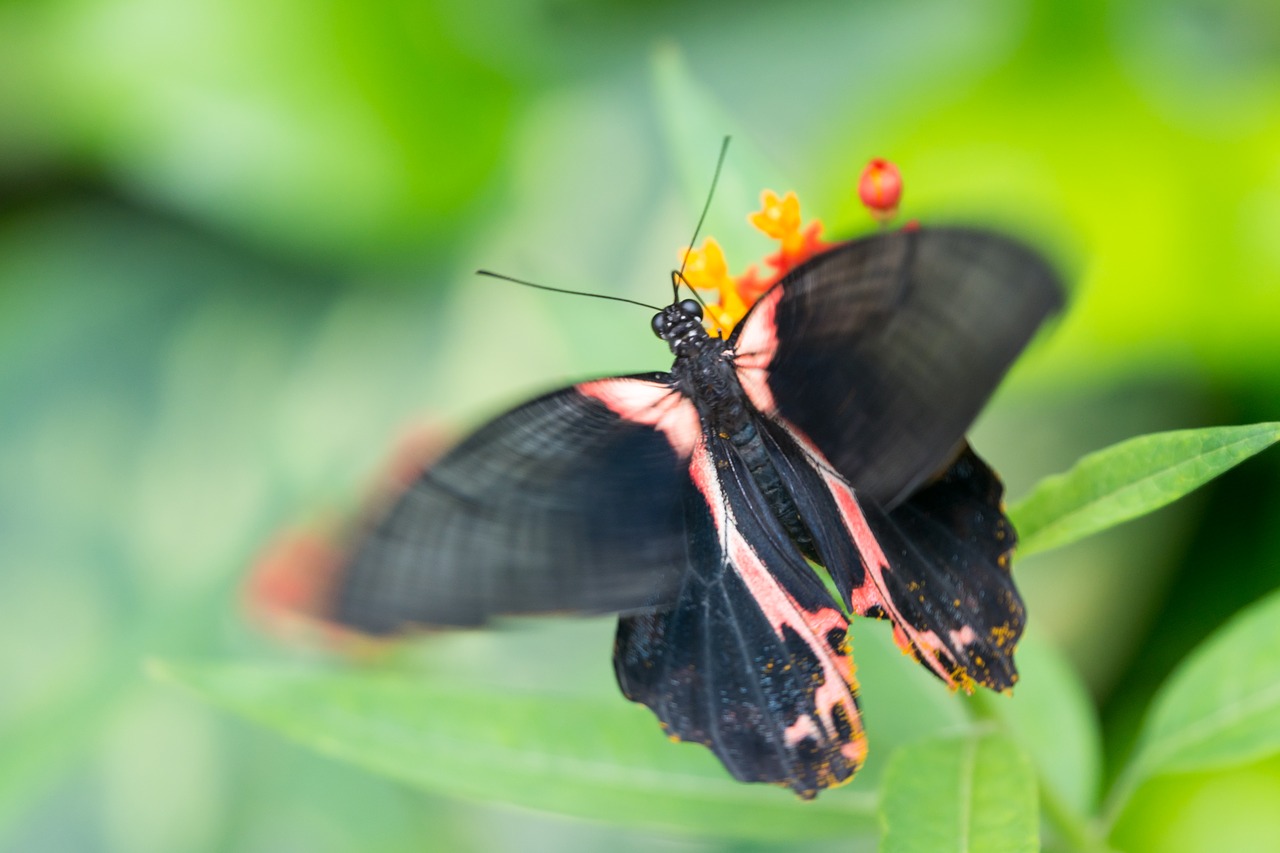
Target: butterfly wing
569,503
752,660
944,578
882,351
937,566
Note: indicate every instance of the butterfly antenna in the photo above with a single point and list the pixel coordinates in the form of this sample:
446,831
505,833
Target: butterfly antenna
677,278
724,149
502,277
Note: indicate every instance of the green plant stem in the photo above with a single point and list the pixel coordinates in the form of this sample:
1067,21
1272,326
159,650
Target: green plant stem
1117,799
1079,833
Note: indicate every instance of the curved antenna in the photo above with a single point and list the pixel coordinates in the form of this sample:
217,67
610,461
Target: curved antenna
677,278
502,277
715,178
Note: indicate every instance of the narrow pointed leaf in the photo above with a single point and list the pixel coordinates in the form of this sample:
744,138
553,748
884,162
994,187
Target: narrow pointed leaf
962,794
1130,479
587,758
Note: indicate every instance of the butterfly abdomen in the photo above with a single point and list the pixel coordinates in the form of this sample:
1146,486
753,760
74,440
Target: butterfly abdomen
710,380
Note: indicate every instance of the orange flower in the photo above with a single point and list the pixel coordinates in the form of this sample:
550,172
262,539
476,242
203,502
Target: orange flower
751,286
722,316
705,268
805,245
778,217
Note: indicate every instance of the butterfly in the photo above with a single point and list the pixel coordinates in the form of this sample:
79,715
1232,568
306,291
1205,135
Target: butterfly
827,430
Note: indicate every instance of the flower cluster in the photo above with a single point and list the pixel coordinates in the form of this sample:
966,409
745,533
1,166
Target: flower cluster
705,267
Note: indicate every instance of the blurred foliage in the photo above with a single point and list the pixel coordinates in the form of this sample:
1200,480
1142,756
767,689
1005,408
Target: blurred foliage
235,253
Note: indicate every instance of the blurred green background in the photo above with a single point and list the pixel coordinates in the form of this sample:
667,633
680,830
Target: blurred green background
236,244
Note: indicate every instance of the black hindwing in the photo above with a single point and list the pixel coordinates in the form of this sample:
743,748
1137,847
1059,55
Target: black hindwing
752,660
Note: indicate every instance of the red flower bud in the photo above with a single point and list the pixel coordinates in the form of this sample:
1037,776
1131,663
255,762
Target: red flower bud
880,188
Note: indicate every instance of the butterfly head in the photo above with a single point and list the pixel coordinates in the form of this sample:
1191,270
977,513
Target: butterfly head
680,325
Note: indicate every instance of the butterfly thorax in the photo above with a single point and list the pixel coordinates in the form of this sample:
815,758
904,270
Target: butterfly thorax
704,372
707,377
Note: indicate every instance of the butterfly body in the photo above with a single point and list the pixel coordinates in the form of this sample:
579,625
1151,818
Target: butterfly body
705,372
827,428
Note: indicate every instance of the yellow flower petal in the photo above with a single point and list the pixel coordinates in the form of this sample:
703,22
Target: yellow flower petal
778,217
705,268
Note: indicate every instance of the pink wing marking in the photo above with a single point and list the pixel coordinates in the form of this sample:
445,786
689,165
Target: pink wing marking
874,591
803,727
755,350
651,404
839,683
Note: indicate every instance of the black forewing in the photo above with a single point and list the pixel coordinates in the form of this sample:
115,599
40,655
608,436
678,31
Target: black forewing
562,504
752,660
884,349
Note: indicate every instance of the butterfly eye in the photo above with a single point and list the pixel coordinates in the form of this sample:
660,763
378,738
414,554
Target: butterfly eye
692,308
659,323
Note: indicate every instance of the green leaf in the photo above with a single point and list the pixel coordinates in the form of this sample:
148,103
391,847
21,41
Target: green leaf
601,760
1053,719
1130,479
970,793
694,124
1220,707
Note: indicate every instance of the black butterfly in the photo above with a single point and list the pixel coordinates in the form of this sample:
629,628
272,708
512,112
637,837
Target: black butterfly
828,428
